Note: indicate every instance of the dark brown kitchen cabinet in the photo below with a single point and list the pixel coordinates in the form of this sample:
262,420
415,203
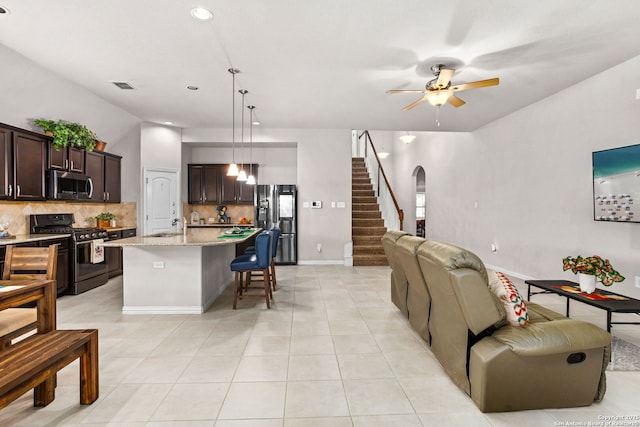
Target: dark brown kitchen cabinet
104,170
94,167
29,157
204,182
68,159
114,254
112,181
238,192
6,164
209,183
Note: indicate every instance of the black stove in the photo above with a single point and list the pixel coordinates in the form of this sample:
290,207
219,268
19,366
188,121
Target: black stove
87,272
63,224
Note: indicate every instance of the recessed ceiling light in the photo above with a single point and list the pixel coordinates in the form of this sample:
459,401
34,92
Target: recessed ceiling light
168,123
192,87
201,13
4,10
256,123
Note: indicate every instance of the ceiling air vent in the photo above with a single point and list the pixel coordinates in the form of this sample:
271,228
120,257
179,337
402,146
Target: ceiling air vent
123,85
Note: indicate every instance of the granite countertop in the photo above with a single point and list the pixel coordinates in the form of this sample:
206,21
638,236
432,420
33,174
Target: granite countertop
219,225
194,237
26,238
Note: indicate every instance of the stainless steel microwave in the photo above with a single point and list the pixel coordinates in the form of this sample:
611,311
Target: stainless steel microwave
63,185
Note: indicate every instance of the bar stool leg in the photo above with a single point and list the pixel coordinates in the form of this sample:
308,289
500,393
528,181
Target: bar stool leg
273,274
236,289
267,287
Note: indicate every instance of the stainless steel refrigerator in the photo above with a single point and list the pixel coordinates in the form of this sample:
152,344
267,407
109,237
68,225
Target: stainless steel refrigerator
276,206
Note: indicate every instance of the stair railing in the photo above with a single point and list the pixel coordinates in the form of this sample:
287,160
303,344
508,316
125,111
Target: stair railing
391,213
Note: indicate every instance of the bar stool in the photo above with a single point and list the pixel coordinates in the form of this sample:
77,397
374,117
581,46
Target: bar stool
260,261
275,238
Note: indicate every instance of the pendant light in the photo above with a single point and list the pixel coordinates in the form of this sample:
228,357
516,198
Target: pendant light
407,138
251,180
242,175
233,167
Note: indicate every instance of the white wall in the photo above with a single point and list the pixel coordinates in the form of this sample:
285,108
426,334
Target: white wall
160,148
530,173
277,163
323,172
30,92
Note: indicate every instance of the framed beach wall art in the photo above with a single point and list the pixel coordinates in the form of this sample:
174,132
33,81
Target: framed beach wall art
616,184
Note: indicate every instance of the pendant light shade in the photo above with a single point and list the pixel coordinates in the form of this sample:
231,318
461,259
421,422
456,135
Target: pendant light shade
233,167
233,170
407,138
251,180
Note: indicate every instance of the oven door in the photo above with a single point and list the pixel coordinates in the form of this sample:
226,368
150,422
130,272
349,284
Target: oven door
85,270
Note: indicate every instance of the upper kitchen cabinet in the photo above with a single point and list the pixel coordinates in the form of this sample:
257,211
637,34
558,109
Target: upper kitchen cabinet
204,182
6,165
68,159
112,181
104,170
209,184
23,160
237,192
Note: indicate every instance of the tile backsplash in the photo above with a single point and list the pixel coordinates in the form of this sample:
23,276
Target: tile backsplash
17,213
235,212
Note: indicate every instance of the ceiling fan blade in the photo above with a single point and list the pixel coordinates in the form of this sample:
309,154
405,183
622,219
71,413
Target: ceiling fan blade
455,101
413,104
444,77
406,91
474,85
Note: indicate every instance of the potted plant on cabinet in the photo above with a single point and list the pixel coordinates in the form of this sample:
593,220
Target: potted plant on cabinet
68,133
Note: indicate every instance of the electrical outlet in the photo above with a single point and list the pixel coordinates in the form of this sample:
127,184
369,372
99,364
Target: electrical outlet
637,281
158,264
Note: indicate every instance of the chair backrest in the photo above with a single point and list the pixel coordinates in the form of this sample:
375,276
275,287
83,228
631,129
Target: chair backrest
418,297
263,246
398,277
461,301
30,263
275,236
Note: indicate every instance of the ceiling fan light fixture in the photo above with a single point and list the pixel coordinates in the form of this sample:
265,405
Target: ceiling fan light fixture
407,139
439,97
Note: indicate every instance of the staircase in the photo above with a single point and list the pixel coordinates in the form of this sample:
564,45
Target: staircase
367,225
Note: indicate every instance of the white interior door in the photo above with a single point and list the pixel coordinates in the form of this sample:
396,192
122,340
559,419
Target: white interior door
161,200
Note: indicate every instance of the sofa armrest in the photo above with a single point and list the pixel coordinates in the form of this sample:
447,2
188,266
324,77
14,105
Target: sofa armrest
546,338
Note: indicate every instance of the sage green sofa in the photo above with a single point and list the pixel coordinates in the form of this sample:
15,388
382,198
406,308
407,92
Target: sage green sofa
554,362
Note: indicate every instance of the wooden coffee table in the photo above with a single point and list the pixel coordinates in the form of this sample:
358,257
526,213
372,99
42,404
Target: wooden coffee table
600,298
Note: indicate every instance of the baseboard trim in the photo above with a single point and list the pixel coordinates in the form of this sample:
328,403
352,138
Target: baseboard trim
322,262
162,310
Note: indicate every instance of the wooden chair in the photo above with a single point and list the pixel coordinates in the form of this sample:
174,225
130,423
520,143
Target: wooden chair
24,263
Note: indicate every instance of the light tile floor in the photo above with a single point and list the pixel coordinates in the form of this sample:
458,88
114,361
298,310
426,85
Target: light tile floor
332,352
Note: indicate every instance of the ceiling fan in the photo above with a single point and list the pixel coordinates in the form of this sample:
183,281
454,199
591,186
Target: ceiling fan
439,90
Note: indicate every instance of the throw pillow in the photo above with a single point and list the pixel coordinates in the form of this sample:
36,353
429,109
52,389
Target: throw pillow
514,304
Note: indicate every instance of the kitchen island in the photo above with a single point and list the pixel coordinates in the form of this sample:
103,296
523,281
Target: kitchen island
177,273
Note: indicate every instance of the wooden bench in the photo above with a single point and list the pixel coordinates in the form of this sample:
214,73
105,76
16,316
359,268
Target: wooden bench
33,363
